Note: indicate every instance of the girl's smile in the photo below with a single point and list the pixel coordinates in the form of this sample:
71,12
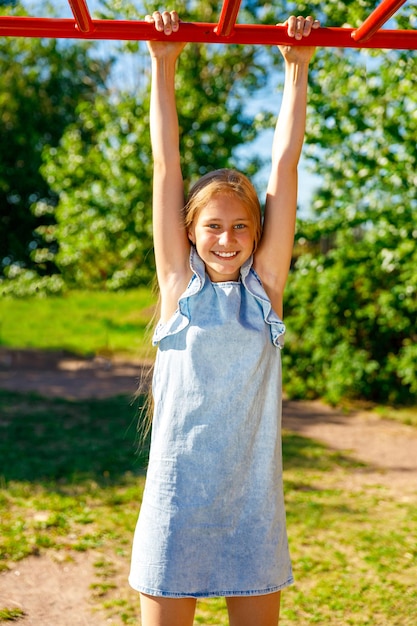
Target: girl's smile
226,254
224,236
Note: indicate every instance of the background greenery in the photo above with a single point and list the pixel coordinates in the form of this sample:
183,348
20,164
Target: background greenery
352,298
75,176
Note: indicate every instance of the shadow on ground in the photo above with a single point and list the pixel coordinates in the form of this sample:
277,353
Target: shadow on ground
62,440
50,439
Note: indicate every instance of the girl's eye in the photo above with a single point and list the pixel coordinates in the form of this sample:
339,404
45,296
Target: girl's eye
240,226
213,226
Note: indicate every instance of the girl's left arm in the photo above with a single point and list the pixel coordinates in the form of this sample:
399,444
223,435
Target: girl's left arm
273,256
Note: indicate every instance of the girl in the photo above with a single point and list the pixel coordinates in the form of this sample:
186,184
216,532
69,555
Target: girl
212,521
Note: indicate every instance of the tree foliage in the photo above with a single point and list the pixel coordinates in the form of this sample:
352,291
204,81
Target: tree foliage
41,84
352,298
102,170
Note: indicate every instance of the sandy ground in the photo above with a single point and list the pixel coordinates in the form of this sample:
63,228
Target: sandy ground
53,592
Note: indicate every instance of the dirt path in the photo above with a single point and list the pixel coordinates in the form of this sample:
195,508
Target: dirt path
53,592
56,593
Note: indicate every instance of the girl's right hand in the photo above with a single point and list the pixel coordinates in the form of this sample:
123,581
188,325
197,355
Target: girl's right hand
166,22
299,27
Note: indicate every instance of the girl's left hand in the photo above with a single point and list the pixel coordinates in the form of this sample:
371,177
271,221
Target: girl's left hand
298,27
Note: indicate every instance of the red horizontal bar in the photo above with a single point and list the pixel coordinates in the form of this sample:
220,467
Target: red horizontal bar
376,19
202,33
228,17
82,15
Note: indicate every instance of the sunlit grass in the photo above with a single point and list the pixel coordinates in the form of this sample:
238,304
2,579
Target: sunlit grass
72,477
349,548
404,415
83,322
11,615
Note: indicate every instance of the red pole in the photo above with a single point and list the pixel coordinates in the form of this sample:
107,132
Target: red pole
376,19
228,17
82,15
12,26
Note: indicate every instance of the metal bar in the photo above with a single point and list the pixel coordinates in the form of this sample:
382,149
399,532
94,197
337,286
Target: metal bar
202,33
228,17
82,15
376,19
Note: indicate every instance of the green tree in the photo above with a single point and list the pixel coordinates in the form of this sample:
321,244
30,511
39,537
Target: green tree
41,84
102,170
352,298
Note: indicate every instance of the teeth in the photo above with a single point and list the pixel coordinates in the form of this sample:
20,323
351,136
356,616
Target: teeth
226,254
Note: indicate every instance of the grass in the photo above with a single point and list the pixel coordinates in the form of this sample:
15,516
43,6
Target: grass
10,615
72,476
83,322
403,415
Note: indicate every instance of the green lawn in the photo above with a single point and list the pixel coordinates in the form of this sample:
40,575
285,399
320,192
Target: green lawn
71,479
83,322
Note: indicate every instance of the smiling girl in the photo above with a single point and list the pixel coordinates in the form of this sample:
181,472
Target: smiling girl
212,521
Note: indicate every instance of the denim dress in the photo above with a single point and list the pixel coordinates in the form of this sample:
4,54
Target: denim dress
212,520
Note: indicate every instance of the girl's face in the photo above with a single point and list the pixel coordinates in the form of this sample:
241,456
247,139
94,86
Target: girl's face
224,235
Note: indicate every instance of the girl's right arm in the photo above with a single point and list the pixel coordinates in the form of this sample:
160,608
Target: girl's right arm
171,242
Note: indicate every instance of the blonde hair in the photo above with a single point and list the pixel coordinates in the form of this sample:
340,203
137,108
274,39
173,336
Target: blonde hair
223,182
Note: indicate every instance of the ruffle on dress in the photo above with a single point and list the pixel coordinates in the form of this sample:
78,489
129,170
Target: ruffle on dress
250,280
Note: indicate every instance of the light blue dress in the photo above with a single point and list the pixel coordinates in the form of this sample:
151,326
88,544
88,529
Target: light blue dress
212,521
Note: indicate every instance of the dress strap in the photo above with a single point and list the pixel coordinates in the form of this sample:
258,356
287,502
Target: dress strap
253,285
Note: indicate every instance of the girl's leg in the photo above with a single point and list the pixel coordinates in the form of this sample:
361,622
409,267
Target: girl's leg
157,611
250,610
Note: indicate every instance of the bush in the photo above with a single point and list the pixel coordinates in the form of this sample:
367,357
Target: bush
350,315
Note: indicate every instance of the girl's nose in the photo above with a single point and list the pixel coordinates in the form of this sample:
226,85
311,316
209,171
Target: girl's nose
226,237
